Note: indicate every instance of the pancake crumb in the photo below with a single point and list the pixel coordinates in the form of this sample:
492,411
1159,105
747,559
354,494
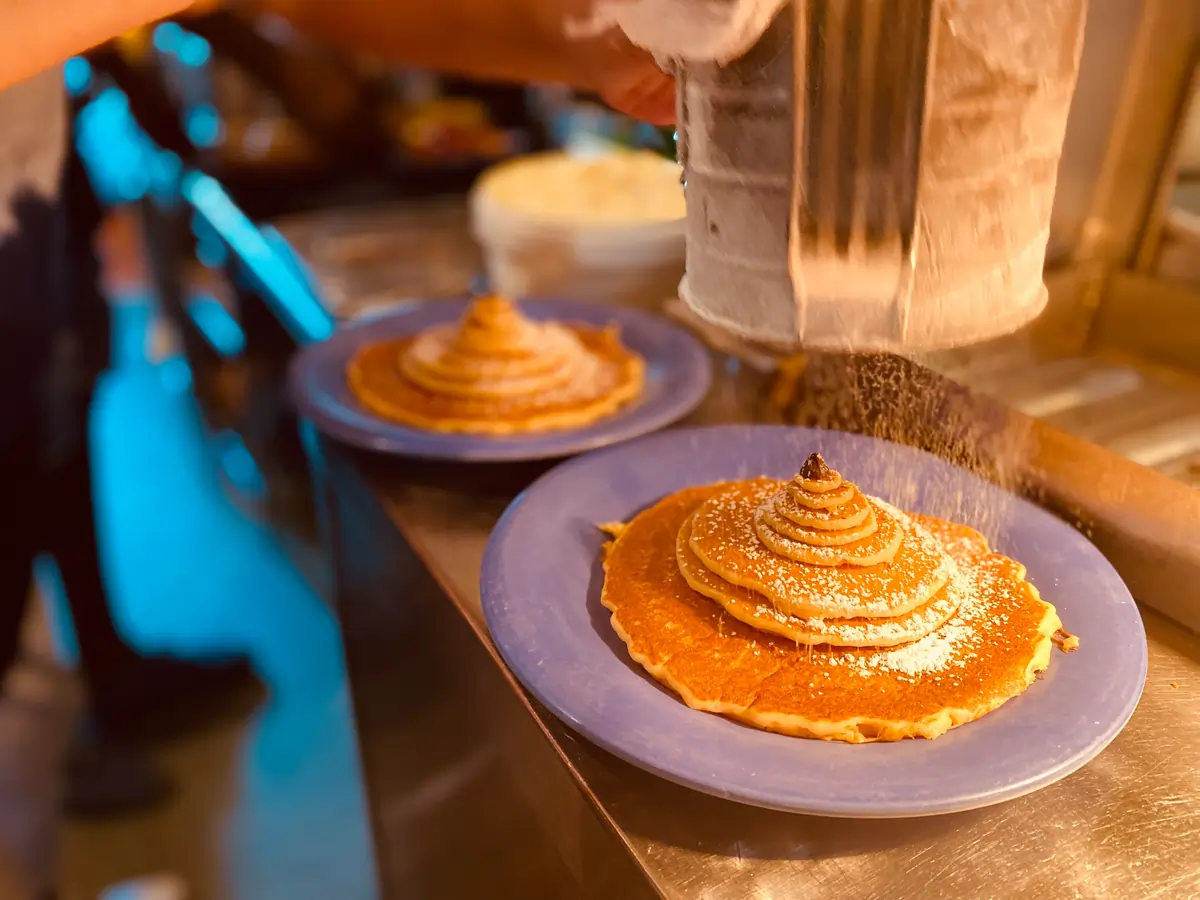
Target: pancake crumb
1066,641
613,529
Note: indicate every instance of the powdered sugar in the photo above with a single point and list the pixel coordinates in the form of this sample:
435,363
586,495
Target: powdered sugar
947,648
884,631
952,626
724,537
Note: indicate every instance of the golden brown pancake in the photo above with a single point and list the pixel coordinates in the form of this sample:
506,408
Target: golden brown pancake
835,513
725,539
754,609
873,541
820,500
823,520
496,372
493,351
989,651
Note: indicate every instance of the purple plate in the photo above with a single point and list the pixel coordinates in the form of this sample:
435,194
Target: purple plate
541,587
678,374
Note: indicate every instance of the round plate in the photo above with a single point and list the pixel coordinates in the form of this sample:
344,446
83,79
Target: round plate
541,595
678,374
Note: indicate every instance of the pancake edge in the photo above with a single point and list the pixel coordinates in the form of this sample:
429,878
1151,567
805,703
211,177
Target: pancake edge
850,730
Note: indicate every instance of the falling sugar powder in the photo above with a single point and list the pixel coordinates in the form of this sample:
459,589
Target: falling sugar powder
904,402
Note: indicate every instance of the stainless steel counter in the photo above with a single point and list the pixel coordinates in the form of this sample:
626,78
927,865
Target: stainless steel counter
1126,826
475,791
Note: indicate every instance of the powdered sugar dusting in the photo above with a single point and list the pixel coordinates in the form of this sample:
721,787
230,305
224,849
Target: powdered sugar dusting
723,532
950,647
886,632
938,649
959,614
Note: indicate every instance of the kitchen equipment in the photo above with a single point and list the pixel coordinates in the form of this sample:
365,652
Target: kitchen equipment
868,174
605,227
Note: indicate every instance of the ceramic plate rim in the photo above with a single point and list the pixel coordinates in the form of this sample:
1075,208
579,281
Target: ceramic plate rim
492,597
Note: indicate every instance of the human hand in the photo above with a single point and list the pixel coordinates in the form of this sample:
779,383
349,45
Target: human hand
625,76
637,87
517,40
202,8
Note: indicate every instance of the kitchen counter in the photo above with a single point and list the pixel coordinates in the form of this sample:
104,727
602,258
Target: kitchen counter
476,790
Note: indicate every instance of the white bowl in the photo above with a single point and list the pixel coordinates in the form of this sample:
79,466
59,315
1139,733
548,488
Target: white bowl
606,228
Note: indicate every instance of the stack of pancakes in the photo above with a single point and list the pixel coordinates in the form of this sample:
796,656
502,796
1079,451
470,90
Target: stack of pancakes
808,608
496,372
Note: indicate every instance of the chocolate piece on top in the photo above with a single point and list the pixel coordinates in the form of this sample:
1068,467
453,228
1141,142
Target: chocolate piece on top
814,469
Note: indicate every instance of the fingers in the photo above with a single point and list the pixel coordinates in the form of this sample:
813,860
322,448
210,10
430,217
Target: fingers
650,97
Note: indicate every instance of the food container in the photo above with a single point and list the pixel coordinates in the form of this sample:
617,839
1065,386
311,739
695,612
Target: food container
602,228
1002,75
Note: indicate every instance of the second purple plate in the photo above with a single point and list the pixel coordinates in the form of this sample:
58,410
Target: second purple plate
678,375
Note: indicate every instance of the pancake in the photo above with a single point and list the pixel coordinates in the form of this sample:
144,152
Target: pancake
870,543
495,372
754,609
823,520
725,539
847,508
989,651
493,352
818,501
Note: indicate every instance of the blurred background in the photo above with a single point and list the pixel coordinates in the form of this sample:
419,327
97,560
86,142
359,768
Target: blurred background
260,189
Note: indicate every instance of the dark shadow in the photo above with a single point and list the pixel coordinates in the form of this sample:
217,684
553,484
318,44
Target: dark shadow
599,617
1162,630
491,480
